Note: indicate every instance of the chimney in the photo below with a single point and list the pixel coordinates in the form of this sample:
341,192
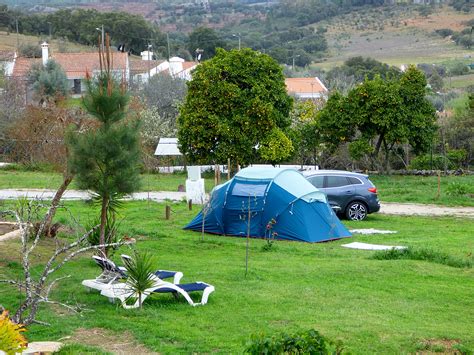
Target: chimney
44,52
147,55
176,65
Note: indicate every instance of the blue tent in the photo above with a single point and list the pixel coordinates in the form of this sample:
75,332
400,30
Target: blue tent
300,211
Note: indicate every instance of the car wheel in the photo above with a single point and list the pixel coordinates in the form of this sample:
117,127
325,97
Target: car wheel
356,211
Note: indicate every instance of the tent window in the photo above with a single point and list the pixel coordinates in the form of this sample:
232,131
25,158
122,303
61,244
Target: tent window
249,190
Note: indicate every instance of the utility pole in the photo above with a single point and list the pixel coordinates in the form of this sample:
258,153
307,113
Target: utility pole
17,35
239,37
168,41
295,56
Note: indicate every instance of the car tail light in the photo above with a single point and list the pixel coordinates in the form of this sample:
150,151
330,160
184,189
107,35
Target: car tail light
373,190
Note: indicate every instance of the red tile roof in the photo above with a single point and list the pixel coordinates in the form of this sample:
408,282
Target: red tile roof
305,85
143,66
75,65
23,65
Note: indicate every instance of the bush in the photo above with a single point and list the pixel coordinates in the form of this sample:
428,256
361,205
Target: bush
11,338
302,342
456,158
457,189
444,32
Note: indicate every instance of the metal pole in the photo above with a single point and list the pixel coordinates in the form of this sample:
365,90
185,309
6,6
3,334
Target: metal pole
168,40
239,41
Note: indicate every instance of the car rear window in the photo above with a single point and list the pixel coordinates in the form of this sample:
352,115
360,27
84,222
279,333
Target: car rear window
354,181
337,181
317,181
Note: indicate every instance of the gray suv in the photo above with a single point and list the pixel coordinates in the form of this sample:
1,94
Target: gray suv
352,195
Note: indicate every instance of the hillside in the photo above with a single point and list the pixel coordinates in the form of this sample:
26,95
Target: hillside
397,37
8,42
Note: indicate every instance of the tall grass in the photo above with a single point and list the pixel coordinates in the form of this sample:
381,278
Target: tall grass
423,254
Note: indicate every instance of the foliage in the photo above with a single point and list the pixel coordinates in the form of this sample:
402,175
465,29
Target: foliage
453,159
49,81
305,132
457,189
111,233
206,40
424,255
29,50
12,340
356,70
302,342
12,105
235,103
79,25
381,114
140,269
460,130
37,136
106,160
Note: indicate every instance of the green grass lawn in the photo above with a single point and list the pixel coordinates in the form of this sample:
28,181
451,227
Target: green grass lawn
372,306
394,188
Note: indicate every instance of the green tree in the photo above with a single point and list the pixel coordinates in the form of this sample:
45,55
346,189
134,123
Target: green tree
305,132
106,160
236,102
380,115
49,82
436,81
206,40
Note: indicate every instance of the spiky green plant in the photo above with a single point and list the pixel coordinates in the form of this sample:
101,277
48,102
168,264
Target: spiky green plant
140,268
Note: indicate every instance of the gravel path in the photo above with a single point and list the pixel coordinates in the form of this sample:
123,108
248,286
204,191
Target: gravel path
415,209
410,209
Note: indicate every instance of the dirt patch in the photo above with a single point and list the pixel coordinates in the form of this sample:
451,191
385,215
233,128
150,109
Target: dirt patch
7,227
122,343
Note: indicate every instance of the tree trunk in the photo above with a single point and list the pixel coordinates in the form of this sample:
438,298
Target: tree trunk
55,202
103,222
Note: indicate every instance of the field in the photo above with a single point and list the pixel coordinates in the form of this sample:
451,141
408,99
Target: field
394,35
372,306
8,42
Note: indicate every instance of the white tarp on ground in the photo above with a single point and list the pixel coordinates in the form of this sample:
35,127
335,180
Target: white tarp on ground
366,246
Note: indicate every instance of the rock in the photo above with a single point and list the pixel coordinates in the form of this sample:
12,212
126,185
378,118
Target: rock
42,347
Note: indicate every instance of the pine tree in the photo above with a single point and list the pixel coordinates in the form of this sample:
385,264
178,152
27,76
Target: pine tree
106,160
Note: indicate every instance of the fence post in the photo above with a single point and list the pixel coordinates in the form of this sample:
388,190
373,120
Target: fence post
167,212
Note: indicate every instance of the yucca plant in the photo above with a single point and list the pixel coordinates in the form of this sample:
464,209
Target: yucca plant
140,270
12,340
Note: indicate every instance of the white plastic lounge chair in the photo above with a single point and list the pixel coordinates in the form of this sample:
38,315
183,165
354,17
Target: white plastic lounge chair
124,293
112,274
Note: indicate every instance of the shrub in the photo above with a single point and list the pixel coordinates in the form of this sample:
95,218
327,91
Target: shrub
11,338
444,32
302,342
455,160
457,189
424,255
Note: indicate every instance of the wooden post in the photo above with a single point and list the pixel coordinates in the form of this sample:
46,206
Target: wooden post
215,175
439,184
218,174
167,212
190,205
228,169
